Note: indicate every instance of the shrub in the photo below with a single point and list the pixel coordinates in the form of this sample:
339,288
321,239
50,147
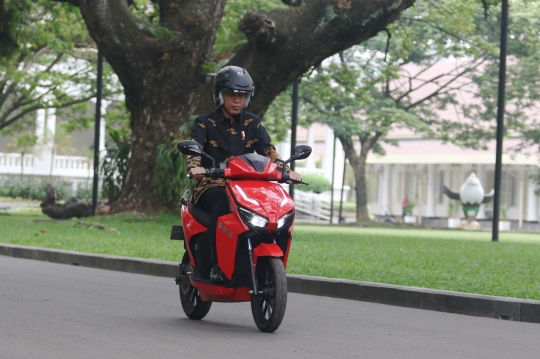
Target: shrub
317,184
84,192
32,188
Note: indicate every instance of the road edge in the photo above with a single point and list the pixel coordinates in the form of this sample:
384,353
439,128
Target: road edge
412,297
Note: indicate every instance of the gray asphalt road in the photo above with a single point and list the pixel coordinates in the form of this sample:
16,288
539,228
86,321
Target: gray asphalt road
57,311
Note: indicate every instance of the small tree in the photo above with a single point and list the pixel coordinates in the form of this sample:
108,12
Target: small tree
24,144
385,84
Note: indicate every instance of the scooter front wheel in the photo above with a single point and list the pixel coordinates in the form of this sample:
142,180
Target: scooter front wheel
194,307
268,308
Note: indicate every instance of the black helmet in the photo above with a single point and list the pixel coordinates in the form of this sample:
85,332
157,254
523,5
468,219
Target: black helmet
235,79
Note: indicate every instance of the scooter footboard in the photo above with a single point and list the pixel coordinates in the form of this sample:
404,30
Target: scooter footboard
266,250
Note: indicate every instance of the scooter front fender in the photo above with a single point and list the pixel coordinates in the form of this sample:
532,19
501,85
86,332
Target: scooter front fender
266,250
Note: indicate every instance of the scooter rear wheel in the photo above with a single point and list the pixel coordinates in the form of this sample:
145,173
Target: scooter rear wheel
268,308
194,307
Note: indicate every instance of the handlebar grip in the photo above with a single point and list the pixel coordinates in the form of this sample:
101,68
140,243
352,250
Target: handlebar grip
286,178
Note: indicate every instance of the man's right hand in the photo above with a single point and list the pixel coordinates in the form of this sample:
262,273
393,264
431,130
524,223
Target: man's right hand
197,172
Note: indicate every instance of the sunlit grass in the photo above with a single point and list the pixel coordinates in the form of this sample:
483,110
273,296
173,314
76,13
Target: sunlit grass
442,259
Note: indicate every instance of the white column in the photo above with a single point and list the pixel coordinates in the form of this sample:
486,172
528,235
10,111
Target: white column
532,202
102,131
45,130
431,186
483,180
328,159
387,173
310,161
41,122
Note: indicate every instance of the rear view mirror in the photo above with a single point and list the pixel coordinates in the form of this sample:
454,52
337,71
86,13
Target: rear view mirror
190,148
194,148
301,152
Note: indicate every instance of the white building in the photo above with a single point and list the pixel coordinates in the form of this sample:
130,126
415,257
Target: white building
44,162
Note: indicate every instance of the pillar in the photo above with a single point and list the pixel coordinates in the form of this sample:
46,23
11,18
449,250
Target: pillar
387,175
483,180
310,161
431,187
532,201
329,153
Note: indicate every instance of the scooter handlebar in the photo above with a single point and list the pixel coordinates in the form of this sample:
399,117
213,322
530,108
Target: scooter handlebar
206,174
286,178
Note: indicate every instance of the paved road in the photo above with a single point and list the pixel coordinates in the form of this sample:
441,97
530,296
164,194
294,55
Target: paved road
57,311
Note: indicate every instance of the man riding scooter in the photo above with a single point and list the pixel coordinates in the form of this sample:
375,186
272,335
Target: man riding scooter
228,131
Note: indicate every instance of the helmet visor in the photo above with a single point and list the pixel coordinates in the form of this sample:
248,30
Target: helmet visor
231,91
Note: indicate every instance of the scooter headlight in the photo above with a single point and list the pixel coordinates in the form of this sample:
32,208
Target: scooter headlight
252,218
281,222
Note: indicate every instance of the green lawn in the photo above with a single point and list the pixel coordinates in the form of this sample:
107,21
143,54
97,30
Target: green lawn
442,259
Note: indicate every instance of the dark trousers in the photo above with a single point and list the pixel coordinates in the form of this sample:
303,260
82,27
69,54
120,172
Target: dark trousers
216,203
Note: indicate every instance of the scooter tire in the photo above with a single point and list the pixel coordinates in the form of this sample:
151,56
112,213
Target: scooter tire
268,309
192,304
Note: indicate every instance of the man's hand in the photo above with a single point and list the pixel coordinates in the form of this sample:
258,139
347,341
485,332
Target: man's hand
196,172
294,176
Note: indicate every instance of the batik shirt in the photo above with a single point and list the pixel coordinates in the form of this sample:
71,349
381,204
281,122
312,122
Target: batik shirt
223,140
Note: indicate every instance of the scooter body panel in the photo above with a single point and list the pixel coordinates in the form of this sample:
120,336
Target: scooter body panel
217,293
229,227
266,250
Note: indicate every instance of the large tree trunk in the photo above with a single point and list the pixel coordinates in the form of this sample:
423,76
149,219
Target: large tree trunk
163,78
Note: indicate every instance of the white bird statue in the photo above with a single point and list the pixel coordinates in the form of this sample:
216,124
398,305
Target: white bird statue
471,195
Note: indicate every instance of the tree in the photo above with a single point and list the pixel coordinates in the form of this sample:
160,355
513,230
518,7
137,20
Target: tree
371,89
24,144
161,53
48,62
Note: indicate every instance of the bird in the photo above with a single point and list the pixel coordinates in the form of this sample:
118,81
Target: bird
471,195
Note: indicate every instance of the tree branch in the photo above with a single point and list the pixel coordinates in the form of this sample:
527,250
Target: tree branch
305,36
4,123
442,87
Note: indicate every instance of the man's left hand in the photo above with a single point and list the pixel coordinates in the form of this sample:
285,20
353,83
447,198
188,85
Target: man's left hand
294,176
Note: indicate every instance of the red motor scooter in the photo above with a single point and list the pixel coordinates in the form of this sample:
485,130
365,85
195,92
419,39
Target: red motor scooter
252,241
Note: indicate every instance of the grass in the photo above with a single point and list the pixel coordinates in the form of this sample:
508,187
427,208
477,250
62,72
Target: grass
440,259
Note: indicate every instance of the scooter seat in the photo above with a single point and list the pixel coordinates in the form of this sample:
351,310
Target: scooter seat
200,215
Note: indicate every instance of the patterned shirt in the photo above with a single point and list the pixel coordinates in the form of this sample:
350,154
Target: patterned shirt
223,140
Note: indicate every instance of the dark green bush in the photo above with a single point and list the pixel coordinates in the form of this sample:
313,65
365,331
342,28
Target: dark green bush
317,184
32,188
84,192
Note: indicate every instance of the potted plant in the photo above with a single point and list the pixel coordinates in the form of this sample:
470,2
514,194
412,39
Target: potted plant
504,224
408,217
453,216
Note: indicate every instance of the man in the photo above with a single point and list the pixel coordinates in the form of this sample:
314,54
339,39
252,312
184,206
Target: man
228,131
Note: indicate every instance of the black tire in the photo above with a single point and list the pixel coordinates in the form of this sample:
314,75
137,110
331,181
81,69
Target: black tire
268,309
194,307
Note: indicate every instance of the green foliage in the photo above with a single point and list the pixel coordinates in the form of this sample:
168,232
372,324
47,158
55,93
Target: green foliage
171,168
114,164
84,191
317,183
53,64
453,207
409,208
277,119
32,188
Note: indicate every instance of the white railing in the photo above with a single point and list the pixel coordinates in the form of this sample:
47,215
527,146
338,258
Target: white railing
13,160
311,171
312,205
40,165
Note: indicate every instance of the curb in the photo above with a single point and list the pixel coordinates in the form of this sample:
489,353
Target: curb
514,309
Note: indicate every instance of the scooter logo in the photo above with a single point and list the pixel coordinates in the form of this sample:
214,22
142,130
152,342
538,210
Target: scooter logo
225,229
